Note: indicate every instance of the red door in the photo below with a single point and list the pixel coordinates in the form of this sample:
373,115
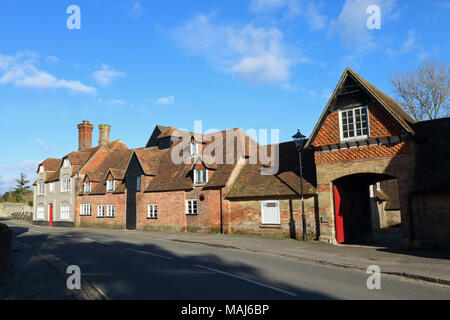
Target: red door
50,215
338,191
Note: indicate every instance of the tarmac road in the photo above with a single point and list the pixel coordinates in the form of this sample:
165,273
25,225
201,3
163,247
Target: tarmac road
132,265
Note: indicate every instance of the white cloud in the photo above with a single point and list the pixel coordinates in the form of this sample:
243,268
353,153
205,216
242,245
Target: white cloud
407,45
266,5
52,59
136,9
7,182
254,54
116,101
351,24
315,20
22,71
166,100
291,9
41,143
106,75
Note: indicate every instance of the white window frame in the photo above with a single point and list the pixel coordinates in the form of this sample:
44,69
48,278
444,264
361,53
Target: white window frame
85,209
64,211
201,181
341,126
87,187
194,148
190,207
66,163
51,187
40,212
110,185
65,185
152,211
41,188
270,218
101,211
110,211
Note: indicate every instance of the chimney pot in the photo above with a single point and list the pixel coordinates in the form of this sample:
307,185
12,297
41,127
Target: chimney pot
85,135
103,134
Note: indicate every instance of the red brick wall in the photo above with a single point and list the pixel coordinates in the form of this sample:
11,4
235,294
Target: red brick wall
172,211
118,200
245,218
381,125
363,153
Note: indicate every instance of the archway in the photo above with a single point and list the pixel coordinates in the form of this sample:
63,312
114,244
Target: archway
357,215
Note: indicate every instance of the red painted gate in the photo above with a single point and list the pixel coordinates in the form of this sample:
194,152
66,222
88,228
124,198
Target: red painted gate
338,191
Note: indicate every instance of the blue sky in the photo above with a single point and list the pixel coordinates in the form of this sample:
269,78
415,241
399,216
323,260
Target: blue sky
261,64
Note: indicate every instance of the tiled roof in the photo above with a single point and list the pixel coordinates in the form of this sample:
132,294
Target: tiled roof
115,162
169,176
117,144
286,182
50,164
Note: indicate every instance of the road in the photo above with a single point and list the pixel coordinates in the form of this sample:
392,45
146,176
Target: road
131,265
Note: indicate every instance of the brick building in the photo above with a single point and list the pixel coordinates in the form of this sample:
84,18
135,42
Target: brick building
58,180
364,137
367,165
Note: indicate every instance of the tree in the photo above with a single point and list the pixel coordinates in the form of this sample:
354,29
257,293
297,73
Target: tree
22,189
424,92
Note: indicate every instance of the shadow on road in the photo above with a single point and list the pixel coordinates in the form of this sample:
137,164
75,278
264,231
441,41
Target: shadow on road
152,272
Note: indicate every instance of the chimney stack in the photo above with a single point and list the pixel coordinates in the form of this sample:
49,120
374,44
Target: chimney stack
85,135
103,134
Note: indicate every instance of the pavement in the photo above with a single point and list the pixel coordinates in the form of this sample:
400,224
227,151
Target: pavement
425,265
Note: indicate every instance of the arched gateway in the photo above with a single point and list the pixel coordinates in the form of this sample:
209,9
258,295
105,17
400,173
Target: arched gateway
362,138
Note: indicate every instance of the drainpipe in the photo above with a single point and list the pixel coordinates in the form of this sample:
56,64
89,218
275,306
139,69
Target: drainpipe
221,213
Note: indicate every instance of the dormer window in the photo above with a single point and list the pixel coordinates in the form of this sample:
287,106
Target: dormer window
200,176
354,124
110,185
87,187
194,148
66,163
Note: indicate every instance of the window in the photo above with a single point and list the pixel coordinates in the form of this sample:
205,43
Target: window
66,163
110,211
194,148
354,124
85,209
65,185
65,212
87,187
138,184
40,213
100,211
270,212
191,207
201,176
110,185
152,211
40,189
51,187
